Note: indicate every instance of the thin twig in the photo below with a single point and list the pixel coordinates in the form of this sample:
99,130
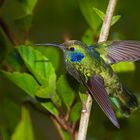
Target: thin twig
63,124
103,37
58,127
11,36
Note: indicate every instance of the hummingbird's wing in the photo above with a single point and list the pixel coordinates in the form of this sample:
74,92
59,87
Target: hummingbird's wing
73,72
97,90
117,51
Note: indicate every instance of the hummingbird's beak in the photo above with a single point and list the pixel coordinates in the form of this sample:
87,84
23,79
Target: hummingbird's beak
61,46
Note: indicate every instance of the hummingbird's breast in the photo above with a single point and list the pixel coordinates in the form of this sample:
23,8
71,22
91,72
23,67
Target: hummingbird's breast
87,67
85,70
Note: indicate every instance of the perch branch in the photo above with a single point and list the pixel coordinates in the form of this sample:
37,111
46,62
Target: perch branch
107,21
103,37
85,119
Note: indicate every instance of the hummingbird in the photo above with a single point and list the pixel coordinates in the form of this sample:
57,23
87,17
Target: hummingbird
91,67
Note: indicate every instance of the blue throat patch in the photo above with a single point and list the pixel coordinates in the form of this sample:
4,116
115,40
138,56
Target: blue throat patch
76,57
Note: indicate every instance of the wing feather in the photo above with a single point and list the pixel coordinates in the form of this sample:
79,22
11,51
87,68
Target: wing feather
96,88
118,51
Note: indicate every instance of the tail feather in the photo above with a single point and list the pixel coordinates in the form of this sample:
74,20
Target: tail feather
131,102
127,101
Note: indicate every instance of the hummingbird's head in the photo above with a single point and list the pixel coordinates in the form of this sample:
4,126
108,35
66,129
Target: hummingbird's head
74,51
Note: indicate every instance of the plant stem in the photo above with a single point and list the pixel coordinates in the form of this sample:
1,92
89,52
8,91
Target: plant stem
85,119
107,21
59,129
11,36
103,37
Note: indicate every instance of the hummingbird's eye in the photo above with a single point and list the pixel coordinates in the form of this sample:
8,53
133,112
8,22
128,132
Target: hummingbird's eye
71,49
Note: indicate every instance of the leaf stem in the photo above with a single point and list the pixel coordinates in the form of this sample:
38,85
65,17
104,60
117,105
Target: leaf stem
103,37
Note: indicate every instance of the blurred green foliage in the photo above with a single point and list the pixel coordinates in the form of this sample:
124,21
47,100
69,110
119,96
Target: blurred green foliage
43,89
24,128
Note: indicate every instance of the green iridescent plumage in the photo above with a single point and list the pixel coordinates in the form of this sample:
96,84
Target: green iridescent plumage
91,66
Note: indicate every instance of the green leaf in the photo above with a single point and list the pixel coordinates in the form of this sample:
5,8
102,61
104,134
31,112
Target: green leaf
24,130
45,92
91,17
23,80
9,116
124,67
50,107
65,90
43,71
13,60
87,38
55,59
102,15
30,86
99,13
115,19
76,111
24,22
28,5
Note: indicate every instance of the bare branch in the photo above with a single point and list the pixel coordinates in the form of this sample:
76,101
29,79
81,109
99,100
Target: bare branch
107,21
85,119
103,37
11,36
